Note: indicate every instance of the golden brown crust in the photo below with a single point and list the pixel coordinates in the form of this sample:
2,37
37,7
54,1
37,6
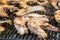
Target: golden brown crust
57,16
43,3
3,1
3,10
6,21
54,4
59,4
34,27
2,28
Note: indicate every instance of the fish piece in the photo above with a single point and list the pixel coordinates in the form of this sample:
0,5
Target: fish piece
24,3
11,8
35,8
3,9
34,27
43,25
57,16
6,21
48,26
54,4
20,25
58,4
3,1
3,14
20,22
33,15
2,28
29,10
37,16
21,12
43,2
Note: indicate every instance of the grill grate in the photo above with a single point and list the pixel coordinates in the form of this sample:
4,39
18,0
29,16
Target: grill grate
11,32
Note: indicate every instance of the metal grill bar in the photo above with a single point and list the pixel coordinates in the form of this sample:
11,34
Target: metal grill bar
11,32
